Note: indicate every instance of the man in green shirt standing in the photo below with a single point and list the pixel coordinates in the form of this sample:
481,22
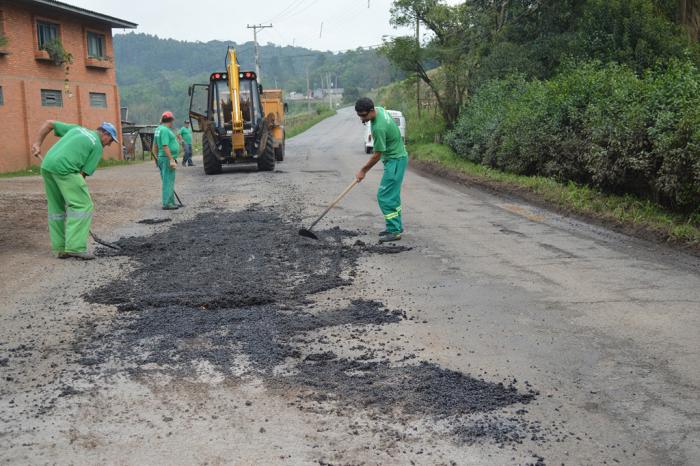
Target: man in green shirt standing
185,134
166,148
389,148
67,163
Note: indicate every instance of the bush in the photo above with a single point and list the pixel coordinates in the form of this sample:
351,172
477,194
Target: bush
601,125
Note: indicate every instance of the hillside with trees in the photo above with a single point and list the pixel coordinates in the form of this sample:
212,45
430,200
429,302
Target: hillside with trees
153,74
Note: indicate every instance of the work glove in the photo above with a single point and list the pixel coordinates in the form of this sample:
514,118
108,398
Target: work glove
173,164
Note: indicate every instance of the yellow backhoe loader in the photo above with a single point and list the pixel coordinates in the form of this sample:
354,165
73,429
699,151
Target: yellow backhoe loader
240,122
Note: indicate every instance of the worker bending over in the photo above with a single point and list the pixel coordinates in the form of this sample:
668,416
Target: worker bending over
389,148
67,163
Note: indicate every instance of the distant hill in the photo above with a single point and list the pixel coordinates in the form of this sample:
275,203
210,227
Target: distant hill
153,74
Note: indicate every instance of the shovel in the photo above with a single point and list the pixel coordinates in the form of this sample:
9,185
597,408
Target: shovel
306,232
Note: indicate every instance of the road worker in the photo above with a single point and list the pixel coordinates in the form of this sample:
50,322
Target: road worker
185,135
67,163
166,147
389,148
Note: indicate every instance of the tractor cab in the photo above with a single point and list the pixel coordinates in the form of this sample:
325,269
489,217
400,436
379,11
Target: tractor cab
222,107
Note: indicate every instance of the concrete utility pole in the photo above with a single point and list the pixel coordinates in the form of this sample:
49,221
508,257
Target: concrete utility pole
255,28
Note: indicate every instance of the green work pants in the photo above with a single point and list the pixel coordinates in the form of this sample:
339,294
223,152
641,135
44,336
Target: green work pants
389,194
70,211
167,176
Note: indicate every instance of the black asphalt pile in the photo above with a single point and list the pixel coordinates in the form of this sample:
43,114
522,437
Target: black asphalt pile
153,221
236,290
227,260
423,389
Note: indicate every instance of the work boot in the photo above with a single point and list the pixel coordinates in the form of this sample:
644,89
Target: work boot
171,207
84,256
390,236
61,255
387,232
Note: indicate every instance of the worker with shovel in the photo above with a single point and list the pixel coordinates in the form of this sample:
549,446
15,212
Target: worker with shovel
389,148
166,147
67,163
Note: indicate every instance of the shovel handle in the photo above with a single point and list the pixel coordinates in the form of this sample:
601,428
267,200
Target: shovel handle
333,204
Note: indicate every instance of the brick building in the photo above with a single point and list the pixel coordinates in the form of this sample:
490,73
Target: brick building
33,88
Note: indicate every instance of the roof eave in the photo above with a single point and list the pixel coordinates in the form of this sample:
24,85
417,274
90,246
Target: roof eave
112,21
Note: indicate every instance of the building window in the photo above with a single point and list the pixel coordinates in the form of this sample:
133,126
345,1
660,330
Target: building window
51,98
2,97
46,32
96,45
98,99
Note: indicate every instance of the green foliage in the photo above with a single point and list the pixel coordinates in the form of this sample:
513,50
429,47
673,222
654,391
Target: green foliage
153,74
351,94
57,53
452,44
594,123
400,96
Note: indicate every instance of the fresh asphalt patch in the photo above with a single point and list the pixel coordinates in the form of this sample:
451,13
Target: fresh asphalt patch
240,291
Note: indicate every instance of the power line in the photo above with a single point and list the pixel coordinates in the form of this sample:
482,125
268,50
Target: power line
289,7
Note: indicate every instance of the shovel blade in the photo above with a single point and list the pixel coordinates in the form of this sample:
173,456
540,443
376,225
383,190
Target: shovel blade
103,242
307,233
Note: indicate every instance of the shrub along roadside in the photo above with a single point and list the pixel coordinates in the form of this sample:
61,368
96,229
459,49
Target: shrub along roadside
599,125
625,212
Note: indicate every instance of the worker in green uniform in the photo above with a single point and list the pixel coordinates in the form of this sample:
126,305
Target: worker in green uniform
166,147
185,134
67,163
389,148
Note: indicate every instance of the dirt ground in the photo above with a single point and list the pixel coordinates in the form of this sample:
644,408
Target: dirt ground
495,333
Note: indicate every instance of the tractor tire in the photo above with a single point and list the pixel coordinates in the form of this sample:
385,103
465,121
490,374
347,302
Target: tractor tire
212,165
266,157
279,152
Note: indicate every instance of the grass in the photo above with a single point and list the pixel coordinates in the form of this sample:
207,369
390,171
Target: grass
583,200
297,124
34,170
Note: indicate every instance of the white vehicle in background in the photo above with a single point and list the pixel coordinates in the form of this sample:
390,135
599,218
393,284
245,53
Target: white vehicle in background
400,122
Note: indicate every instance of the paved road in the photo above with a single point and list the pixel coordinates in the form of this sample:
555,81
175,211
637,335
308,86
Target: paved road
603,328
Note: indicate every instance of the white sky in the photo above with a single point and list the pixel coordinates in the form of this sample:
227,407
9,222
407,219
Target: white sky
347,24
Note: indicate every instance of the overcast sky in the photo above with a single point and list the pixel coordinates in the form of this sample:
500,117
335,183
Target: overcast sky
347,24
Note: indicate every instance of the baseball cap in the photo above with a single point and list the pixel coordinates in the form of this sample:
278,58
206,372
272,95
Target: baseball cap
109,127
167,114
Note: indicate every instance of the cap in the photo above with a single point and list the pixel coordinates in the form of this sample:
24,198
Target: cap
167,114
111,130
187,122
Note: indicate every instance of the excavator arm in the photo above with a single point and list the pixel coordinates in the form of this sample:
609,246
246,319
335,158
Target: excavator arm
234,86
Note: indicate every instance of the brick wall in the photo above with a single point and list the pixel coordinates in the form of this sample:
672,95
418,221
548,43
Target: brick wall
23,76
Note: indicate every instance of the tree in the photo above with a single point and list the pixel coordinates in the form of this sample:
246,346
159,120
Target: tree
451,44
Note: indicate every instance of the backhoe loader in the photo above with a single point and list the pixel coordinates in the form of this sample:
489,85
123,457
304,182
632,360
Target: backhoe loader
240,122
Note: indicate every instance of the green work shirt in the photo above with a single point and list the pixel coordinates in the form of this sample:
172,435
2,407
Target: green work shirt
186,135
386,136
78,150
164,136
